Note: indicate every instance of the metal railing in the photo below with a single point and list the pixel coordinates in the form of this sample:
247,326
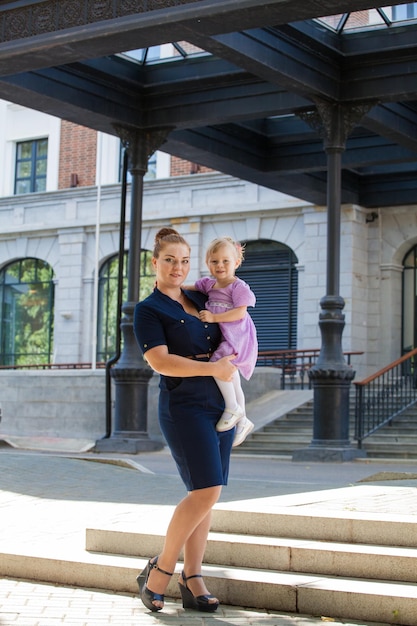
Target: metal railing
382,397
52,366
294,365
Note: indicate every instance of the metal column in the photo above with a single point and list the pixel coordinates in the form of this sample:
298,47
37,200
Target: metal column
131,374
331,376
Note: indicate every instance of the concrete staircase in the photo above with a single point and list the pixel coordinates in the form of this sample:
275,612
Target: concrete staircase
355,567
301,554
294,430
347,553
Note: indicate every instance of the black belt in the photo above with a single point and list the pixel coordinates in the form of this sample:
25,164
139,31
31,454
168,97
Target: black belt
198,357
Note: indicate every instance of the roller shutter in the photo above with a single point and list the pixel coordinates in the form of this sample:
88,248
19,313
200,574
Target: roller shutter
269,269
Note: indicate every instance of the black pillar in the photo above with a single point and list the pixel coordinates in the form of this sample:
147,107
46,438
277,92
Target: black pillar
131,374
331,376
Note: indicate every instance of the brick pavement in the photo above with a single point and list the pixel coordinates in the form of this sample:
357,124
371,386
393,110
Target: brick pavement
25,603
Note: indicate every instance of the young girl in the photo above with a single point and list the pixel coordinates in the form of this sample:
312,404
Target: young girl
228,299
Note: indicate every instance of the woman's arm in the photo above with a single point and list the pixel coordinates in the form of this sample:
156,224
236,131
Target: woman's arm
168,364
232,315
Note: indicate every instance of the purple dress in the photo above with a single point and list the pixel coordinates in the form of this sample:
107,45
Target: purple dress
239,337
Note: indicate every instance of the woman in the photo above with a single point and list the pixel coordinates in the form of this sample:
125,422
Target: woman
177,345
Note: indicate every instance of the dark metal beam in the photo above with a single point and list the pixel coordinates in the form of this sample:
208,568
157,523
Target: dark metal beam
192,146
100,102
397,122
34,33
273,57
389,189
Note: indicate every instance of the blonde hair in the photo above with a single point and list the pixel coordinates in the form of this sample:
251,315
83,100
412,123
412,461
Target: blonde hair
238,249
165,236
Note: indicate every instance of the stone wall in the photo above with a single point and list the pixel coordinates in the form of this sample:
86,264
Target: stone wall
71,403
53,403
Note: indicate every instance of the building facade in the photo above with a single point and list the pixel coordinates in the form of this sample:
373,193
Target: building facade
60,206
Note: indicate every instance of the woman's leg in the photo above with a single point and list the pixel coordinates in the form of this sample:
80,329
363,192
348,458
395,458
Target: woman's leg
188,528
194,550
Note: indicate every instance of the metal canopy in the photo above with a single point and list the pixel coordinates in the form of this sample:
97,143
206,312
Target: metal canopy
239,108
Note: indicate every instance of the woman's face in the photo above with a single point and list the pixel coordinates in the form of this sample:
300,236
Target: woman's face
172,265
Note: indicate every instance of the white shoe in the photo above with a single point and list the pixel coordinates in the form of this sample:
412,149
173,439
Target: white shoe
243,428
229,419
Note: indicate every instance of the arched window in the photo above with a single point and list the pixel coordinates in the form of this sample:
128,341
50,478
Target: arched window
107,299
269,269
27,312
409,305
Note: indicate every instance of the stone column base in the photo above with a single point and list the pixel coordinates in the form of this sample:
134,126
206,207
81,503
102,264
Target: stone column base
327,454
127,445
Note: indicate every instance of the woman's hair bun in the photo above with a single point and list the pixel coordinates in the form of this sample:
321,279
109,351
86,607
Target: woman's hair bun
164,232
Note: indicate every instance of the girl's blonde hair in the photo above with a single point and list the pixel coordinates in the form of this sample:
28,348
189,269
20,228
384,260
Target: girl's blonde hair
165,236
238,249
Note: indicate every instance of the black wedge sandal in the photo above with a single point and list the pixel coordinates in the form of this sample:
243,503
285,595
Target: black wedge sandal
198,603
146,595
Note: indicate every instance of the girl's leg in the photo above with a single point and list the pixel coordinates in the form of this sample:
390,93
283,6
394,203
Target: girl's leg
227,389
233,411
240,396
244,426
190,522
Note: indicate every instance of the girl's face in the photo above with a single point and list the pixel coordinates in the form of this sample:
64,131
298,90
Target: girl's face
172,265
222,264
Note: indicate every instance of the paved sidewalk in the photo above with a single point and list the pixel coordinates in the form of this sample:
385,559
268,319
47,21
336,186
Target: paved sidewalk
47,501
25,603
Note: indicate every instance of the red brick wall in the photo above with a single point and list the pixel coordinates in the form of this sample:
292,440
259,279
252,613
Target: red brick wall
179,167
356,19
78,150
77,155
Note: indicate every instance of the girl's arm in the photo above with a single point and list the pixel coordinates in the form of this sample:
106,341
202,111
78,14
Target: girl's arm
232,315
168,364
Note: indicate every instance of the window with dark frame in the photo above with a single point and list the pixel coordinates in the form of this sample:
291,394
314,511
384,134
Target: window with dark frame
26,312
31,166
107,299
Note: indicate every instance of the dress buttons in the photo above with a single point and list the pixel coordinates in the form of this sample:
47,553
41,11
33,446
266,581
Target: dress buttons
182,321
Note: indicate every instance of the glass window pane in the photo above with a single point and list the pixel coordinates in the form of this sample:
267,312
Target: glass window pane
23,186
24,169
41,167
24,150
40,184
42,148
404,11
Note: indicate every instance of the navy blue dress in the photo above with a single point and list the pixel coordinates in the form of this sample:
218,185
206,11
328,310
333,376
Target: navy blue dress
190,407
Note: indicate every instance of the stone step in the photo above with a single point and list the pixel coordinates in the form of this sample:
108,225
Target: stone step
276,433
294,430
389,451
276,554
395,439
333,596
344,525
